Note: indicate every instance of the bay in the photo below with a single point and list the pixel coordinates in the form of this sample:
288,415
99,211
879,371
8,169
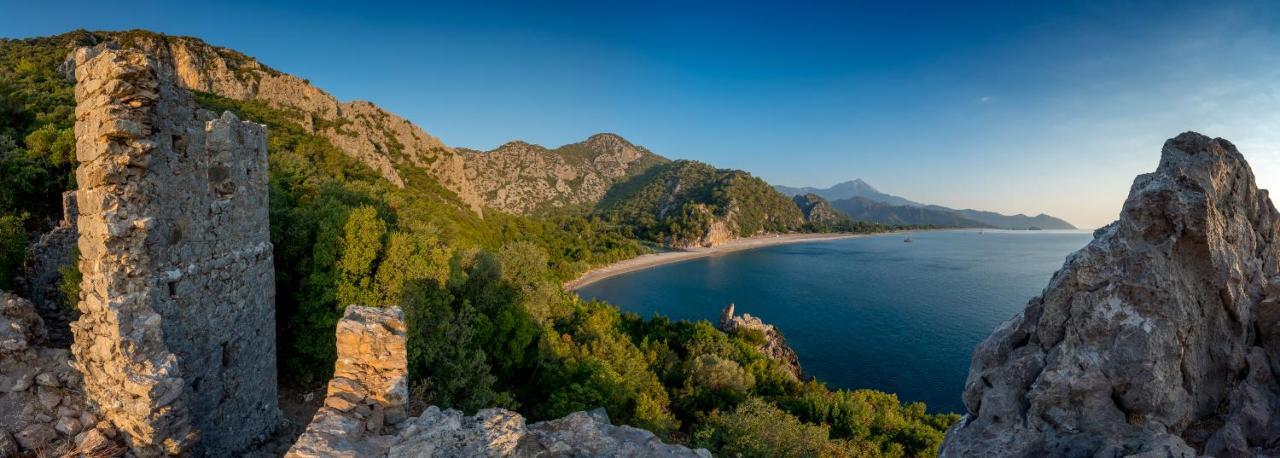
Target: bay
872,312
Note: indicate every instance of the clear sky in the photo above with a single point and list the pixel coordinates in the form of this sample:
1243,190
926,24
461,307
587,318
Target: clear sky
1025,107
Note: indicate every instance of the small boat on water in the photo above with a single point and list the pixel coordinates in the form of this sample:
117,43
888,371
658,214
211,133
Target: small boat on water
906,240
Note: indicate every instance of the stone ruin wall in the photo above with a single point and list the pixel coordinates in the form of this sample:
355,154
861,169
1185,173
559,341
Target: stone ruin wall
369,389
176,340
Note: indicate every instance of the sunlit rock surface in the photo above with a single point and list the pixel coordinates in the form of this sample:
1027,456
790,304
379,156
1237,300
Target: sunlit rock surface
1159,338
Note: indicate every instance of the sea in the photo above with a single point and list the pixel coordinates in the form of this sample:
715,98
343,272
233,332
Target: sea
897,312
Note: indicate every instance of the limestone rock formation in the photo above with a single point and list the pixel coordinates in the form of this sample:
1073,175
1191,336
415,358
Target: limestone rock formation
817,210
176,341
42,406
363,414
522,178
500,432
1159,338
773,346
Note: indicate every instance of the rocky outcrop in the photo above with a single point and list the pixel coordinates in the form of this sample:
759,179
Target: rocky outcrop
1159,338
363,414
41,395
817,210
717,230
522,178
772,343
367,133
176,341
503,433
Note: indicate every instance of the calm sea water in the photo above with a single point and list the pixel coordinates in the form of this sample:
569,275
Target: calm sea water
871,312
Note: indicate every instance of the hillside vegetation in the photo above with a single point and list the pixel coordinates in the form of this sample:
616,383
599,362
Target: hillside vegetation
489,322
689,203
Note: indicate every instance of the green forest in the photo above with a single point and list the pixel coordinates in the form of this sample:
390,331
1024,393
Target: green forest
489,322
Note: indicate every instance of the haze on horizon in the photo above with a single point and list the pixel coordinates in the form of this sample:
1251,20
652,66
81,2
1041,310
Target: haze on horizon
1015,107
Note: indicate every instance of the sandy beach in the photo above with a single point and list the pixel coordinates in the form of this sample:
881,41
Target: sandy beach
667,257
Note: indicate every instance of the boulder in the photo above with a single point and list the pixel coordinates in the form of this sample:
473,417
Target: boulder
1159,338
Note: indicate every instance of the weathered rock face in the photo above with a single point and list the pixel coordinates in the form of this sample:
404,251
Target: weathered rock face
363,414
1159,338
176,340
364,131
774,345
41,395
500,432
816,209
522,178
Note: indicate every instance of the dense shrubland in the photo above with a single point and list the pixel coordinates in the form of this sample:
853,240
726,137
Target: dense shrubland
489,322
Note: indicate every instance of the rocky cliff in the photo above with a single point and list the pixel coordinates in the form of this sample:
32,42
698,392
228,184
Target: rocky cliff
522,178
817,210
1159,338
366,132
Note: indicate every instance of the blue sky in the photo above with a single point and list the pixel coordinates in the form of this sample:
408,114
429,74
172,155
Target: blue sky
1015,107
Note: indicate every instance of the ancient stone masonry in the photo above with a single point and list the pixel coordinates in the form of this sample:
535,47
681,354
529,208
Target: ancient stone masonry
1161,338
363,413
42,407
176,340
367,395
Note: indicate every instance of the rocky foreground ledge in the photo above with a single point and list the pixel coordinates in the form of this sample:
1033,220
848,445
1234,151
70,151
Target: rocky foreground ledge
1161,338
363,413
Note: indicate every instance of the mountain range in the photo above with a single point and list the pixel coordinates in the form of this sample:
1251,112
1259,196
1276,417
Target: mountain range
864,202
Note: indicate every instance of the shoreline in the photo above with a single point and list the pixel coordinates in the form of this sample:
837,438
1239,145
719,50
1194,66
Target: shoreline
646,261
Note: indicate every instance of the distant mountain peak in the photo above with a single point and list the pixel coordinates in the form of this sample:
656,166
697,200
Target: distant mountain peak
856,187
606,137
857,183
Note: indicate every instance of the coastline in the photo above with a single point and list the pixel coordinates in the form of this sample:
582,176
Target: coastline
650,260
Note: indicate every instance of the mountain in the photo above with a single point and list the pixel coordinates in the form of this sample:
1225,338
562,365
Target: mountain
818,211
1159,338
861,189
521,178
1019,221
847,190
864,209
689,203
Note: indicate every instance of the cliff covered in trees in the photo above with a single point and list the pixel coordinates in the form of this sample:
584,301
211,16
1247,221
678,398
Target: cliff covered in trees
688,203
